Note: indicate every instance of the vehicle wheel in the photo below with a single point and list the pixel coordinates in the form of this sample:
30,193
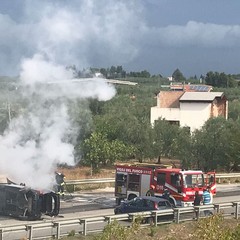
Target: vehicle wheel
150,193
117,211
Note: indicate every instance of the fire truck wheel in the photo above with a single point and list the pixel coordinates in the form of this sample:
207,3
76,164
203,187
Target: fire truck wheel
150,193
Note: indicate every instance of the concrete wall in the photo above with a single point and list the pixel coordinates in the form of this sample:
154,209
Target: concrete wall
194,115
170,114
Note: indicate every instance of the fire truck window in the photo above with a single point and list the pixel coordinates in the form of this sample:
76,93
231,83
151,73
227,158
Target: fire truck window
121,180
188,180
194,180
211,179
175,180
133,182
161,178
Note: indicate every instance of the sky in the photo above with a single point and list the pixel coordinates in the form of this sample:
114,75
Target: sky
154,35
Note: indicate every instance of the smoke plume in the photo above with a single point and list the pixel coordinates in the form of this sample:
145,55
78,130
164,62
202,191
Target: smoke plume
43,135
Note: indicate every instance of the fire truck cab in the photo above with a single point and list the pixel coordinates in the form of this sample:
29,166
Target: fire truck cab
153,179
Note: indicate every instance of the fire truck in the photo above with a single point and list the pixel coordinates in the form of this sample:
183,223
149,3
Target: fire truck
134,180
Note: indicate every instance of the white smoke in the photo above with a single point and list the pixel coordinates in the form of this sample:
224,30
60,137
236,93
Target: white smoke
39,138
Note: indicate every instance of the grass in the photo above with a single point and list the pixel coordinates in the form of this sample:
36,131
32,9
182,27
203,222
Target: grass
85,173
212,228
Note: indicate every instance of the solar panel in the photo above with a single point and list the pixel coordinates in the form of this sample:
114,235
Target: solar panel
199,88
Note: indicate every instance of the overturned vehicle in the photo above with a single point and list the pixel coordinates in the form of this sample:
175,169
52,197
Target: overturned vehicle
27,204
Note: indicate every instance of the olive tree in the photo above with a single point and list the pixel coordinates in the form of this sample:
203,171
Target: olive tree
211,145
99,151
164,139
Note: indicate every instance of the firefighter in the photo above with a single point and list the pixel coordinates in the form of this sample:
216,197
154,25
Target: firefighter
197,202
166,194
60,183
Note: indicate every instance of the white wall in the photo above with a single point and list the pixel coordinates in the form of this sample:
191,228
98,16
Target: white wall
170,114
194,115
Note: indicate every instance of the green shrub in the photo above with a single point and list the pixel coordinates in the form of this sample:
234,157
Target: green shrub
71,233
114,231
212,228
153,231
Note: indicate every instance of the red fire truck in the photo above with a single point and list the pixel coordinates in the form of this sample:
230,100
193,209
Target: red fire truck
152,179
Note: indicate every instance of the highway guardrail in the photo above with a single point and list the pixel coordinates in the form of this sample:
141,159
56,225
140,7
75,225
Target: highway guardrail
220,178
83,226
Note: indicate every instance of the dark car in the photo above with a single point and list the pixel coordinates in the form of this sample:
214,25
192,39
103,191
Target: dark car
27,204
141,204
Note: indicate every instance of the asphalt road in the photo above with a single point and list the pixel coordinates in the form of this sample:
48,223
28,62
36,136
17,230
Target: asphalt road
102,201
98,203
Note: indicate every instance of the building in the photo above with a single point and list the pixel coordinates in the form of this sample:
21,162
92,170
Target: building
188,108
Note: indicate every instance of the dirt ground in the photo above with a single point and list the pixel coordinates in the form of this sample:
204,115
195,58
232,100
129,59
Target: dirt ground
85,172
109,172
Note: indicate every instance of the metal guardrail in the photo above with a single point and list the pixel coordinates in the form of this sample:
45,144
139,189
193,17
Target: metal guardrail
57,229
227,177
89,181
75,183
219,178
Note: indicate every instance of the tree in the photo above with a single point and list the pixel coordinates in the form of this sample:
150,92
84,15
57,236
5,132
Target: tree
142,74
183,147
113,71
128,121
210,145
99,151
220,80
233,153
104,72
164,139
178,76
234,110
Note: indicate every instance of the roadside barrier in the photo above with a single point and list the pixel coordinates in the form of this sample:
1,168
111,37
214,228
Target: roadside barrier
220,178
60,228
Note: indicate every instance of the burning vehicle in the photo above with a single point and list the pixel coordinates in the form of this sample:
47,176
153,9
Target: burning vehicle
25,203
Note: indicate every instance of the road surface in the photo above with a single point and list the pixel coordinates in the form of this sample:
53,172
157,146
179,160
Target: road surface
102,201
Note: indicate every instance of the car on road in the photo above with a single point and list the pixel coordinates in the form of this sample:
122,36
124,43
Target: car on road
26,203
146,203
